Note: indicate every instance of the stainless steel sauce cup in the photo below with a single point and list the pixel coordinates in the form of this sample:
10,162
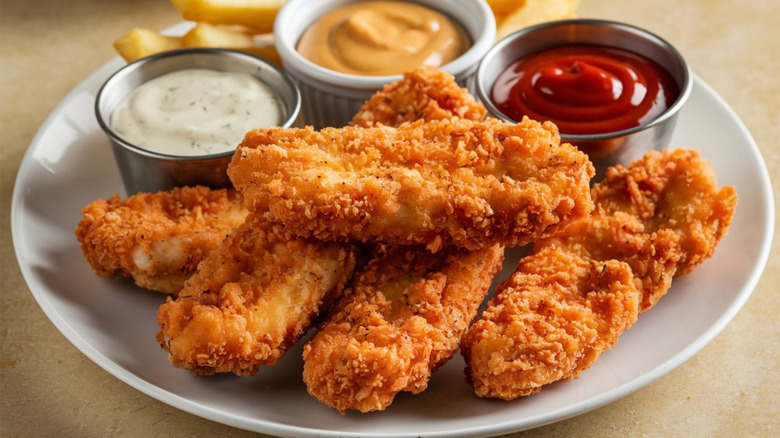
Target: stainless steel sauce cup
147,171
608,149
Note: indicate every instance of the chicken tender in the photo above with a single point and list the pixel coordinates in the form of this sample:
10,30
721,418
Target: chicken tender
675,191
398,325
158,239
251,299
400,320
425,93
572,296
467,183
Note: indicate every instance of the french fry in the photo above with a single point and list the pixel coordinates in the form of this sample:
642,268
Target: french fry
256,14
502,8
229,37
534,12
210,35
267,52
141,42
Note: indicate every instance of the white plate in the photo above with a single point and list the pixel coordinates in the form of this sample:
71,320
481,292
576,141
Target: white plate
69,164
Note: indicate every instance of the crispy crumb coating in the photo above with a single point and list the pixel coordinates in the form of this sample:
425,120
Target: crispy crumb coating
557,312
675,191
400,320
467,183
425,93
572,296
251,299
158,239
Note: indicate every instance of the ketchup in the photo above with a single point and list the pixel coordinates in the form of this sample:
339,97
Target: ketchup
585,89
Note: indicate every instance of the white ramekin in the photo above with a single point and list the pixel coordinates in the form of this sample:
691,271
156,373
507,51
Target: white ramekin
331,98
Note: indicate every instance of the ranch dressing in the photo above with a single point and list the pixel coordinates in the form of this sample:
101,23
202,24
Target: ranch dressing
195,112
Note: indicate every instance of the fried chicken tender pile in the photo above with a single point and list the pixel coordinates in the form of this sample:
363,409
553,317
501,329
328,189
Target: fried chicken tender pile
572,296
402,318
433,193
457,182
251,299
158,239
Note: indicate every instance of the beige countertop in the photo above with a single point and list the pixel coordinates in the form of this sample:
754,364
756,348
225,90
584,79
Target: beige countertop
48,388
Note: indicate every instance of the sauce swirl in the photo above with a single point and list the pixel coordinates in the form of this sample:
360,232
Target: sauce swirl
195,112
585,89
380,38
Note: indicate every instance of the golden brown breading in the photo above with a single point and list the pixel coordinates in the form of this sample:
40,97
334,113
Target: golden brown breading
425,93
461,182
674,190
572,296
401,319
251,299
158,239
557,312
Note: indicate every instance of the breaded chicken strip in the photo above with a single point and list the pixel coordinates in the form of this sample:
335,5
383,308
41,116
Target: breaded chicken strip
425,93
158,239
461,182
251,299
675,191
572,297
406,294
400,320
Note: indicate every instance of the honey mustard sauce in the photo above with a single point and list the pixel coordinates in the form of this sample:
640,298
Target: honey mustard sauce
380,38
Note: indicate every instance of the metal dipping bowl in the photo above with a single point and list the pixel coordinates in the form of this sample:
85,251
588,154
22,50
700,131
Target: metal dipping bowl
608,149
332,98
147,171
